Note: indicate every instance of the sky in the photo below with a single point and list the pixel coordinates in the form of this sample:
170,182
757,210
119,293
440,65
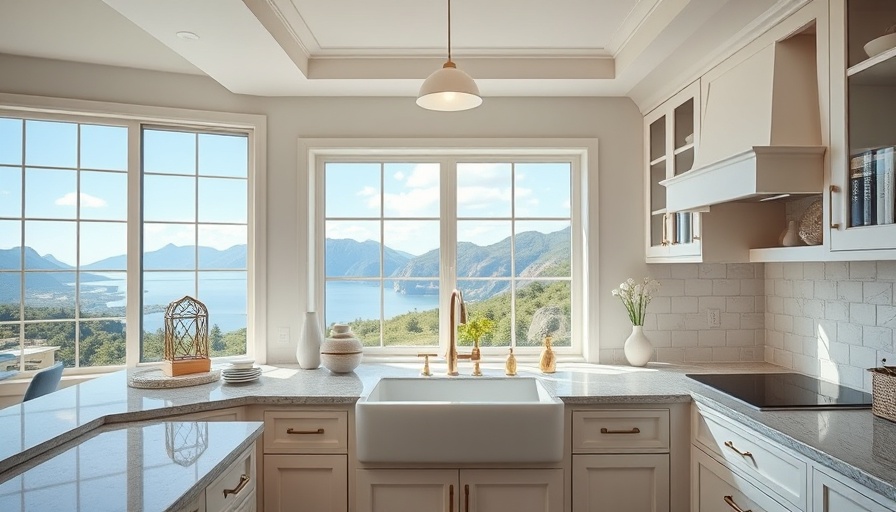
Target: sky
192,182
356,191
65,163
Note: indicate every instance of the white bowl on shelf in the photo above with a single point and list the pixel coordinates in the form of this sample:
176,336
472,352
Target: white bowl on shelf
881,44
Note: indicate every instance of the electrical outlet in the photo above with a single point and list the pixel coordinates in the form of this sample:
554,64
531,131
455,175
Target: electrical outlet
713,317
283,335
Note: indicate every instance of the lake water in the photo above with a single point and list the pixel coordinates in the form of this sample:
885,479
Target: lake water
348,301
224,294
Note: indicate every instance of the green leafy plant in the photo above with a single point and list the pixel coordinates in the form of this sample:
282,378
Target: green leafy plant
476,328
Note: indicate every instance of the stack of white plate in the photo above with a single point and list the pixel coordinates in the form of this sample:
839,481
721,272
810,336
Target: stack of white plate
243,370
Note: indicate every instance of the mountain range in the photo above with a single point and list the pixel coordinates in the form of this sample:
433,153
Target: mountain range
536,255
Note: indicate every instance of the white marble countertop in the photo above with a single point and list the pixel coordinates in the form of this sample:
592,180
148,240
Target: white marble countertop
850,442
141,468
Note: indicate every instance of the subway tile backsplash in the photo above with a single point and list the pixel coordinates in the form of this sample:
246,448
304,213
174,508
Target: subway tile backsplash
677,320
832,320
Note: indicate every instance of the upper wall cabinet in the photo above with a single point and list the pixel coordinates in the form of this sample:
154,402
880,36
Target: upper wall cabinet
762,155
670,134
863,126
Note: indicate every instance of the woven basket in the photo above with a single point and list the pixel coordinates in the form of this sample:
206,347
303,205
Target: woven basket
883,394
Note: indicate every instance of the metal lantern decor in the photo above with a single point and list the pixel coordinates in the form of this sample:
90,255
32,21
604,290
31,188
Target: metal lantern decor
185,441
186,338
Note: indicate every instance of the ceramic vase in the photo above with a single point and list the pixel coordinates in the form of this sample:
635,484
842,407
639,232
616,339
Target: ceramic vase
637,348
341,352
791,237
308,349
548,362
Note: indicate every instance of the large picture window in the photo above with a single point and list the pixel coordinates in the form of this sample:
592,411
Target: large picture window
106,220
400,233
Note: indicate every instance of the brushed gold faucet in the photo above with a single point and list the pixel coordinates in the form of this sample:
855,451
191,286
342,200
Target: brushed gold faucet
458,313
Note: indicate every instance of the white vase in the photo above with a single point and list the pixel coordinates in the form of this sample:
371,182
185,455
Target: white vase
638,349
791,236
308,349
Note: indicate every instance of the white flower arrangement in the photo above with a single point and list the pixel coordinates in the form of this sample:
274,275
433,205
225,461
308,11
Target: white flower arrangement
636,297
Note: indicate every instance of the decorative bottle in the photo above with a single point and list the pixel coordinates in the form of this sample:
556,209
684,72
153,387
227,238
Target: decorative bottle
510,366
308,348
547,363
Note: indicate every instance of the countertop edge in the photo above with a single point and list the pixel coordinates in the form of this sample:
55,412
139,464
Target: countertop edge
219,468
835,464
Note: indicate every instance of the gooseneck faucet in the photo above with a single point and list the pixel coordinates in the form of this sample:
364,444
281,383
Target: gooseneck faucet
458,313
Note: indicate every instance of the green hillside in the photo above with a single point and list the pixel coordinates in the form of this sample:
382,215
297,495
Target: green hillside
421,328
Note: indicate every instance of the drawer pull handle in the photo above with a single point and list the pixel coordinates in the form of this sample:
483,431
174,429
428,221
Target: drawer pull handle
466,498
291,430
244,480
451,498
730,444
633,430
730,501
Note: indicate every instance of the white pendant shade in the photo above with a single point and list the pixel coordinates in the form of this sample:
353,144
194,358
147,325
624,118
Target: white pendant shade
449,89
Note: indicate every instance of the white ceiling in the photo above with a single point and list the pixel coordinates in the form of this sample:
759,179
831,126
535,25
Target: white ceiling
387,47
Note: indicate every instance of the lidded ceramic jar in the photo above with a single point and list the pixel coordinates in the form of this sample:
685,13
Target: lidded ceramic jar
341,352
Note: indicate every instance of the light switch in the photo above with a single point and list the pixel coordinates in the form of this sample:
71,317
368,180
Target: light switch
283,335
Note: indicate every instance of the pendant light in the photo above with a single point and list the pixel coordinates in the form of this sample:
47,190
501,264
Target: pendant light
449,89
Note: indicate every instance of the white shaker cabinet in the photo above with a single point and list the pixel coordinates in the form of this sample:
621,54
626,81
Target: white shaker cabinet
629,458
312,483
464,490
305,465
715,487
831,493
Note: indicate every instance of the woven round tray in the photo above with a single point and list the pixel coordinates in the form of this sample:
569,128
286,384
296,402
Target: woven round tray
155,378
810,224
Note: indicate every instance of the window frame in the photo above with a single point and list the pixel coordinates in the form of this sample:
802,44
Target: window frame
135,117
581,154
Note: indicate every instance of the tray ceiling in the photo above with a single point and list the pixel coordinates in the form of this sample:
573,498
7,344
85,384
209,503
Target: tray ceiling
387,47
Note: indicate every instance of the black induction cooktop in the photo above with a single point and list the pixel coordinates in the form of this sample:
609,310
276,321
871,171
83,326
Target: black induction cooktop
782,391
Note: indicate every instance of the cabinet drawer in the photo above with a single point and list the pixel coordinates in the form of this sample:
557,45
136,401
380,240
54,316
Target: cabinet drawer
305,432
746,451
620,431
715,487
833,493
230,490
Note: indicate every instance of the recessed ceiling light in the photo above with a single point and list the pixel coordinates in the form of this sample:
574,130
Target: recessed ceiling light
189,36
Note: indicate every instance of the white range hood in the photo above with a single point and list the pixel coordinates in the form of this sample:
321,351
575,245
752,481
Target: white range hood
761,130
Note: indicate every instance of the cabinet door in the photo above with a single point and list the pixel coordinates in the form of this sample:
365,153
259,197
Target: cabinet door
863,103
519,490
670,133
834,495
406,490
306,483
714,487
620,483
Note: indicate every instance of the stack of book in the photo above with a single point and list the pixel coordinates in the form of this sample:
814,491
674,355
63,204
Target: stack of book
872,196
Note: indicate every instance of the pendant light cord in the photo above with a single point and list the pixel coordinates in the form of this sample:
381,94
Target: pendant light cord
449,30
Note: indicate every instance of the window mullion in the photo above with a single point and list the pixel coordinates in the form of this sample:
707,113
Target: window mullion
448,244
134,274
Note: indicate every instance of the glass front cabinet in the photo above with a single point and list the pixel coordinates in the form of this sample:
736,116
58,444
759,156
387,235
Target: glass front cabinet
863,82
671,133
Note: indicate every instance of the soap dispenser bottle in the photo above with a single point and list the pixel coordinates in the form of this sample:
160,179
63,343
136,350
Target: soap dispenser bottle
510,366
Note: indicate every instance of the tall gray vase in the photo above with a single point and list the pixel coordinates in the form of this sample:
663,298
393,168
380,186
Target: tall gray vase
308,349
